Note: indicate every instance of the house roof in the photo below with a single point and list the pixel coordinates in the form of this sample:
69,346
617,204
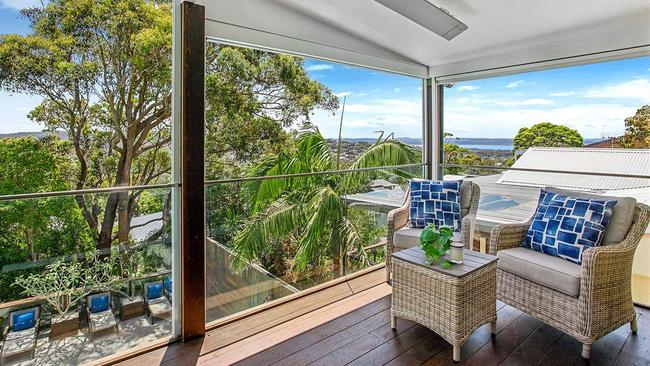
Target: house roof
611,142
584,160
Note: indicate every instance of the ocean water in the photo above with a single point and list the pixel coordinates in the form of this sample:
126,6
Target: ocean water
487,147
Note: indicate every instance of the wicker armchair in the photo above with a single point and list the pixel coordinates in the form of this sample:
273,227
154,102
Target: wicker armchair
605,299
398,218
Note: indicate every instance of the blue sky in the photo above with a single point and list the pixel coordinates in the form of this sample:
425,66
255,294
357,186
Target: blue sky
375,101
594,99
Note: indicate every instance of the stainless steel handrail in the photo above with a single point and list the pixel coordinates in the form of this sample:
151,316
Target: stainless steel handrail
326,172
491,167
22,196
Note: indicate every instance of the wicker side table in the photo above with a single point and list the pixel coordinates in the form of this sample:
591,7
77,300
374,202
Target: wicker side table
452,302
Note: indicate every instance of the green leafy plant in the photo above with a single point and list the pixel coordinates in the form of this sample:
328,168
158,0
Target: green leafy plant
62,284
435,243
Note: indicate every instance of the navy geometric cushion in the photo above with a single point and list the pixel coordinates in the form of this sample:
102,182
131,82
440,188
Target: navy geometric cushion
565,226
154,291
435,202
167,283
99,303
24,321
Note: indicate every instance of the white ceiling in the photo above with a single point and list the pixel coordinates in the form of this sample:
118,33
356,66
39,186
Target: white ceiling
501,32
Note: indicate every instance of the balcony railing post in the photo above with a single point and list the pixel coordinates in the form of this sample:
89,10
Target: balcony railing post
428,145
192,136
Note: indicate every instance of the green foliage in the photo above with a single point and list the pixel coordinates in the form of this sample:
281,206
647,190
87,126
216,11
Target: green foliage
637,130
435,243
253,96
454,154
309,211
365,221
150,202
38,228
546,134
103,70
62,284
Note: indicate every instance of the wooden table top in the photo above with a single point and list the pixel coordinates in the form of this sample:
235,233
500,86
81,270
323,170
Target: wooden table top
472,261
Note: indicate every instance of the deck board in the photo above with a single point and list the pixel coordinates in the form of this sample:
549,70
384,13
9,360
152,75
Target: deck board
356,331
520,340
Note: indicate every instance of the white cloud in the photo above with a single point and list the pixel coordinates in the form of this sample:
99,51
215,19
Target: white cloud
562,94
397,89
470,120
319,67
343,94
638,89
515,84
19,4
400,116
467,87
503,102
361,94
525,102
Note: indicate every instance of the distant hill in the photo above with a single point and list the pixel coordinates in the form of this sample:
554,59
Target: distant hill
38,135
370,140
458,141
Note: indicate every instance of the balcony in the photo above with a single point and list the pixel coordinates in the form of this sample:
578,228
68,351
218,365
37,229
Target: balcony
225,182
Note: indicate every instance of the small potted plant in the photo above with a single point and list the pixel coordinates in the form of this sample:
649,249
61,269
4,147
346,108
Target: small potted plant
62,284
118,269
435,243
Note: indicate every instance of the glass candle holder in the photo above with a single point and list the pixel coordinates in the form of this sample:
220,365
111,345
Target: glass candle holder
456,252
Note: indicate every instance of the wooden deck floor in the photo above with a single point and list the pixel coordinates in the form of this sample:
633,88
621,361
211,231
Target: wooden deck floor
356,331
364,337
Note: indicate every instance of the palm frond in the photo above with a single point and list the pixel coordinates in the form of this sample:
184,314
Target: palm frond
384,153
279,220
311,155
325,210
351,240
313,151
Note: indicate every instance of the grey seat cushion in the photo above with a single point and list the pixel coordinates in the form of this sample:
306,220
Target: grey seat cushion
19,342
622,214
552,272
159,306
407,237
465,197
101,320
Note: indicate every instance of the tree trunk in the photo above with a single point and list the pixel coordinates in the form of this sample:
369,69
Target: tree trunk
124,220
106,230
30,244
114,203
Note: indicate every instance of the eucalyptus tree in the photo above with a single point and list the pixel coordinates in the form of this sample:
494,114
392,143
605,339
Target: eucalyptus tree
310,211
103,69
637,130
546,134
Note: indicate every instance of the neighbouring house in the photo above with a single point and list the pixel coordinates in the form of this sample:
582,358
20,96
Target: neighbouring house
512,195
611,142
382,185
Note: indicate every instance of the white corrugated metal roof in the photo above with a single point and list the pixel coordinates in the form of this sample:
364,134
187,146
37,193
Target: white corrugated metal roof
577,159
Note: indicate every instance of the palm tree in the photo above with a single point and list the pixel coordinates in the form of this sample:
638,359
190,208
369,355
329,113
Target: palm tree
311,209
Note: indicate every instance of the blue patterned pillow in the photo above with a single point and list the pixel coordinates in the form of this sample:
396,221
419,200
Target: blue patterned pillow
435,202
99,303
565,226
154,290
24,320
